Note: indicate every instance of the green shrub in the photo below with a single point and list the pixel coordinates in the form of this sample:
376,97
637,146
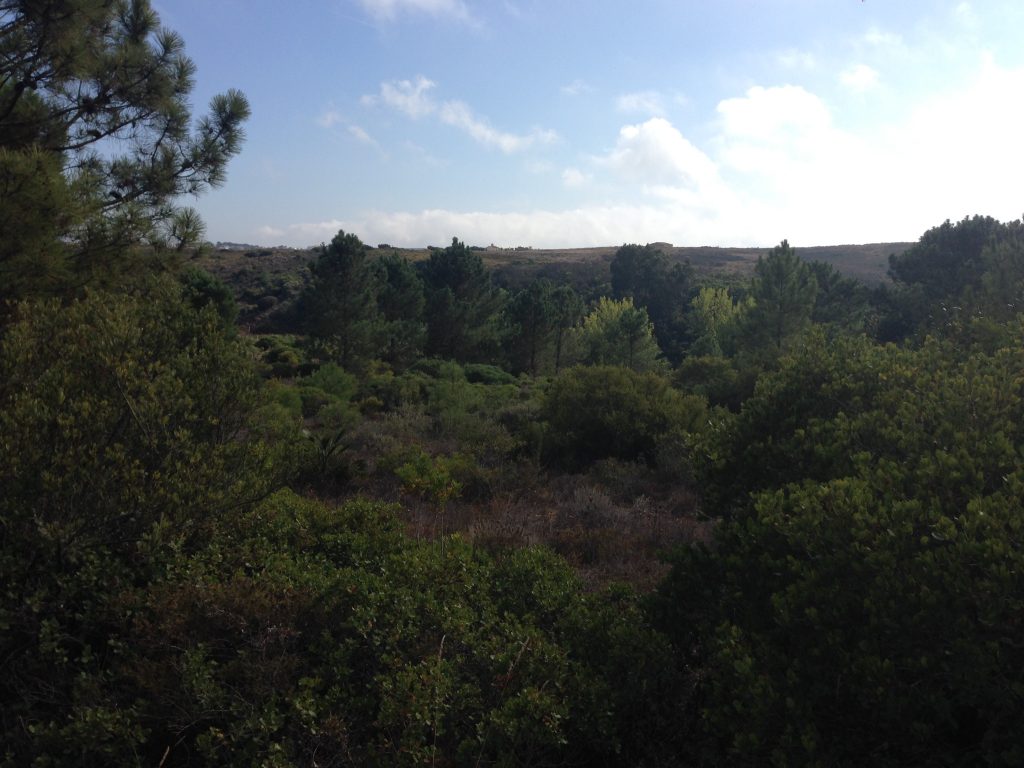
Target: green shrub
435,367
344,640
334,380
715,378
127,441
611,412
478,373
864,590
285,395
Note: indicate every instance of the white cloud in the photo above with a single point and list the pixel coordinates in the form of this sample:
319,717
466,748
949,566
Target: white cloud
576,88
959,148
878,38
266,232
573,227
775,113
965,16
360,135
411,97
771,132
459,115
389,10
645,102
780,164
330,118
859,78
422,154
656,153
796,59
574,178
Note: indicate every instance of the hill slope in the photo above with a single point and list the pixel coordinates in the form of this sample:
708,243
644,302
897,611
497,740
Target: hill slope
265,280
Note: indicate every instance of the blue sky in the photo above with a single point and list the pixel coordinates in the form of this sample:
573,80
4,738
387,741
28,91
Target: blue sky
569,123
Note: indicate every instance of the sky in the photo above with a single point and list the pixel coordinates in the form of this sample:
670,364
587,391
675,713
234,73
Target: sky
574,123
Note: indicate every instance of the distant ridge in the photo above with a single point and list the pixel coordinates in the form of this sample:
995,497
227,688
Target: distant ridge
222,245
267,280
515,266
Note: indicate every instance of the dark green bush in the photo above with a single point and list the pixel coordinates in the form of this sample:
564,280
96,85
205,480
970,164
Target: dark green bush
478,373
342,641
610,412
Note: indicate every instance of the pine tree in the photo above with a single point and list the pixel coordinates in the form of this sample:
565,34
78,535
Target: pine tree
617,333
340,306
95,125
532,318
400,301
462,304
783,289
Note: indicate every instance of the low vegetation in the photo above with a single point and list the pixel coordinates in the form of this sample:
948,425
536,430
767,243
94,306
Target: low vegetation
362,509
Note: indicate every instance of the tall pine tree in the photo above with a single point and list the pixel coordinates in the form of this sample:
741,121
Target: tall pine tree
462,305
97,141
340,306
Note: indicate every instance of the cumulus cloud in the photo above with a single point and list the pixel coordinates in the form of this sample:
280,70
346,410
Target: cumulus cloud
859,78
389,10
780,164
963,143
643,102
769,132
777,113
656,153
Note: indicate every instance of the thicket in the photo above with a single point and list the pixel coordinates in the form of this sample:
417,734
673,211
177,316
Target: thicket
400,534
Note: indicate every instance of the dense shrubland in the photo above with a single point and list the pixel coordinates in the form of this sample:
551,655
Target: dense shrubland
674,520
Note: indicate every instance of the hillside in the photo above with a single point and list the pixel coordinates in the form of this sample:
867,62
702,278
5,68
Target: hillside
265,280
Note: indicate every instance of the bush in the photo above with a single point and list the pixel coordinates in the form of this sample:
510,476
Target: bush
715,378
126,442
334,380
286,396
864,591
478,373
341,641
612,412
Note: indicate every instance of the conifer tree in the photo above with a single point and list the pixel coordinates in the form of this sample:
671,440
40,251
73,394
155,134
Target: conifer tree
340,306
462,304
400,301
617,333
96,127
532,318
783,289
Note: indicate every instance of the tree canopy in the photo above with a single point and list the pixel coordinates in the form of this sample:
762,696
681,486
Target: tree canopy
619,333
645,275
462,304
340,306
783,289
97,140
